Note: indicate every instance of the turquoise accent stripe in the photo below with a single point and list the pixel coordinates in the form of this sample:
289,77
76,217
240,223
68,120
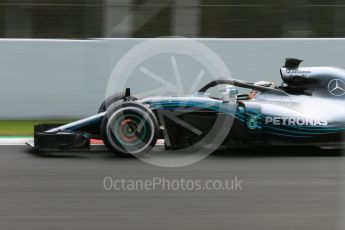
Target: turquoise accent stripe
286,135
218,107
286,130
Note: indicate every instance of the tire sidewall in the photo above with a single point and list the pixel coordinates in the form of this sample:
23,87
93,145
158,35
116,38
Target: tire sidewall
109,139
112,99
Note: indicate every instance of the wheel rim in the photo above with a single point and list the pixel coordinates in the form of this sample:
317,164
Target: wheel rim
126,130
130,130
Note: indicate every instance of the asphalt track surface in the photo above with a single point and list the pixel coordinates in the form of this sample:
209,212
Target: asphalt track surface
290,189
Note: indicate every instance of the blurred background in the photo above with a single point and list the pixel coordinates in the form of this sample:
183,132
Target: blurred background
79,19
56,56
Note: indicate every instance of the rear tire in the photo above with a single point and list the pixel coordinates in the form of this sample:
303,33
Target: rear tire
129,128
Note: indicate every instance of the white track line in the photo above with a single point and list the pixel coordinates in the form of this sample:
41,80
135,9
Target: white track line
19,141
14,140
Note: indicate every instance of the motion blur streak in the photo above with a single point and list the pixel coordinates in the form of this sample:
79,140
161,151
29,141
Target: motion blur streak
152,18
280,191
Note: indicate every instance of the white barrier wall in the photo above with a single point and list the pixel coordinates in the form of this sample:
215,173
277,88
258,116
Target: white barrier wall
68,78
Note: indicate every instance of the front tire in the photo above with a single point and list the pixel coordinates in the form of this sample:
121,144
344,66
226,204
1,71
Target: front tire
112,99
129,128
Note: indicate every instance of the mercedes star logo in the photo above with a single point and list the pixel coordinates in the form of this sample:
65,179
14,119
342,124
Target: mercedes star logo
336,87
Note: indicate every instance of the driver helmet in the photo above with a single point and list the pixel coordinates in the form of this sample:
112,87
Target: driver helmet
268,84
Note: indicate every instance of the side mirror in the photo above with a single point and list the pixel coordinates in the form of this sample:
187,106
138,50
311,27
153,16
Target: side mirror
243,97
230,93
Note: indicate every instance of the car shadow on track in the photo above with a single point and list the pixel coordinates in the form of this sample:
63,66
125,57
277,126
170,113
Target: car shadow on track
280,152
70,153
235,153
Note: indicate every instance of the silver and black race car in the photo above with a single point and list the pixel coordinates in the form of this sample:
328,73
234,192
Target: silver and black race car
307,109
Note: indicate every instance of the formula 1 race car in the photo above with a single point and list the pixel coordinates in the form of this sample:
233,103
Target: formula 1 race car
307,109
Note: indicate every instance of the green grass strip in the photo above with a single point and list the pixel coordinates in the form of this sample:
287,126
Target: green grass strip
16,128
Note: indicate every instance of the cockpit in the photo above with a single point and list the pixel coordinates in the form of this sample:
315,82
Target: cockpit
227,89
310,81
